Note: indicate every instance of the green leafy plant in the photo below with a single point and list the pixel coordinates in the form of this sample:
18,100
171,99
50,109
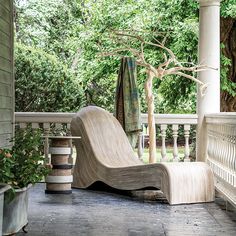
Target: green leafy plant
23,164
43,83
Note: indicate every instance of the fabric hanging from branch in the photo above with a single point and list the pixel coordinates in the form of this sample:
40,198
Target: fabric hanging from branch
127,105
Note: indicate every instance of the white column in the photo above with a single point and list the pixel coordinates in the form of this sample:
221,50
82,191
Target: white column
209,54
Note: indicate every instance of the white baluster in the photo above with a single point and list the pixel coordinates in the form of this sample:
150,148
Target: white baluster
140,145
175,147
144,129
143,135
227,164
234,154
68,128
70,159
231,146
222,145
231,154
46,128
186,148
35,125
163,144
210,143
58,128
23,125
147,134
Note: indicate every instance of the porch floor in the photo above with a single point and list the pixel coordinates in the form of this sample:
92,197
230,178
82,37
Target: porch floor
95,213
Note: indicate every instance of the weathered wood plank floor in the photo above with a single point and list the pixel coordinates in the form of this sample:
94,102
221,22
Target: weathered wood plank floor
87,212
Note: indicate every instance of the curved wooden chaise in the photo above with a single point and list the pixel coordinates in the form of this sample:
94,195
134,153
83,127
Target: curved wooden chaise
104,154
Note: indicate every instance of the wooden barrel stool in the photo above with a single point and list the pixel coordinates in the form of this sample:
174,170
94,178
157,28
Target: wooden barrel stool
60,179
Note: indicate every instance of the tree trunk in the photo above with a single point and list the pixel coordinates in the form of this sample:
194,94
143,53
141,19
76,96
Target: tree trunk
151,119
228,37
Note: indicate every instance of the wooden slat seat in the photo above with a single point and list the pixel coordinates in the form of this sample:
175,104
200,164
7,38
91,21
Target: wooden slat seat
104,154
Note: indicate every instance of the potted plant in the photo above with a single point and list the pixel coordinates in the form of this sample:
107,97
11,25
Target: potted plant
3,189
20,167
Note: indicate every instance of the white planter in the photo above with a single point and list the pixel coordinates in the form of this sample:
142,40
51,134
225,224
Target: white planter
15,212
3,188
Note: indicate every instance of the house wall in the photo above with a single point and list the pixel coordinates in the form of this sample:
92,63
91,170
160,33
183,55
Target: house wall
6,72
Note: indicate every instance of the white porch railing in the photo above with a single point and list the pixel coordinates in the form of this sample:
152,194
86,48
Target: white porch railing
221,142
174,122
57,121
48,121
221,152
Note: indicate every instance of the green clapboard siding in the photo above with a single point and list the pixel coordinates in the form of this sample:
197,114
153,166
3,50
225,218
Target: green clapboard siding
4,14
5,90
7,4
5,115
6,127
6,52
4,26
5,140
6,72
5,102
4,38
5,77
5,64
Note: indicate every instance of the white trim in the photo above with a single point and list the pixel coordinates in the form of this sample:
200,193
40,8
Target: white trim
207,3
226,118
51,117
62,137
59,179
60,150
43,117
165,119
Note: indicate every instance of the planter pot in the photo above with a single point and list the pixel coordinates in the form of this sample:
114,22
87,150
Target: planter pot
15,212
3,188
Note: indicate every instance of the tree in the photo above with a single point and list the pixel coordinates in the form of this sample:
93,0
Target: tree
169,66
72,29
85,21
53,26
43,83
228,75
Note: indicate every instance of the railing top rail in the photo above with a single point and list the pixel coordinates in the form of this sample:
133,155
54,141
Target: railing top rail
172,118
43,117
221,118
63,117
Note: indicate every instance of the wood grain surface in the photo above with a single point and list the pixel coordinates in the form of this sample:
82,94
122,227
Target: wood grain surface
104,154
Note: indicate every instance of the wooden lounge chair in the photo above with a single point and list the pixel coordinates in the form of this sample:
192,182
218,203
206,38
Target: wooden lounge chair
104,154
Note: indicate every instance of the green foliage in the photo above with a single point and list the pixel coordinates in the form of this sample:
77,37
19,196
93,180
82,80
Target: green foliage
43,83
178,95
6,163
49,25
76,31
22,165
144,16
226,85
228,8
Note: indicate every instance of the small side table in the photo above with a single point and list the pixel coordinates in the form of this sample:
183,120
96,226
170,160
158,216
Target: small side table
60,179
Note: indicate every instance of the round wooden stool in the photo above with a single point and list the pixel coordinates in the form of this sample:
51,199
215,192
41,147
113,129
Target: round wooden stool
60,179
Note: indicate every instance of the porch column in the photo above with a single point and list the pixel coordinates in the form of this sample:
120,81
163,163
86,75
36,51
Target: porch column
209,54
